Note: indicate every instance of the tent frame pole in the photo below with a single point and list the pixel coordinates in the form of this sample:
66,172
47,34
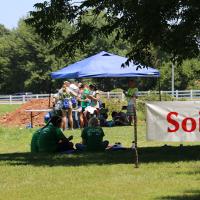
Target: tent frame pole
135,142
50,85
159,88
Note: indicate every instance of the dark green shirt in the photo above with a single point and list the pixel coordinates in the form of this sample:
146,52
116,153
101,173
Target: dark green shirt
34,142
93,137
49,138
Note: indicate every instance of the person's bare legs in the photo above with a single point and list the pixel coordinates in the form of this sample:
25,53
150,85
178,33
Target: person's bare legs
70,118
85,118
81,119
64,119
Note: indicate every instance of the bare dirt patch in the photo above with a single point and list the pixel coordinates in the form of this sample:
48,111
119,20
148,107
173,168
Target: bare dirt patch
21,118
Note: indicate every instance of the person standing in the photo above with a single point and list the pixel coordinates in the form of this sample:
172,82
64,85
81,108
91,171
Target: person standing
131,96
85,102
81,98
65,96
94,96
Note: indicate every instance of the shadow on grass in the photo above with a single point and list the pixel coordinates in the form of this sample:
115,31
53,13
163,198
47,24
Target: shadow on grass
169,154
188,195
76,159
146,155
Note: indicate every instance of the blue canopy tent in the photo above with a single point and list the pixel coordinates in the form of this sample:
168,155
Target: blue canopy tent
105,64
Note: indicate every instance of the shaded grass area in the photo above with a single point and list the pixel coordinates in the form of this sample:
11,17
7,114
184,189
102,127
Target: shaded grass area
147,155
188,195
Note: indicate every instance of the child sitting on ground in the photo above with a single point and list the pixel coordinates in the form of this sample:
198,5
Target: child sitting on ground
92,137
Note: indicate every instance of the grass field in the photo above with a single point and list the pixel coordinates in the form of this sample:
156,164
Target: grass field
170,172
7,108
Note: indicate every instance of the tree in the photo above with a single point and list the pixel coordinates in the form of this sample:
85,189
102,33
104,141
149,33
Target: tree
172,26
25,61
3,30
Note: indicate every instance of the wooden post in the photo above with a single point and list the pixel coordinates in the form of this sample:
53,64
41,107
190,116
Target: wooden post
31,119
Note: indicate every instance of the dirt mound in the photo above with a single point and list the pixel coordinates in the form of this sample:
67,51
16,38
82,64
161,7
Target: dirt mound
22,118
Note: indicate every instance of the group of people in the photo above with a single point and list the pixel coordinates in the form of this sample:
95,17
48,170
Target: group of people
81,97
51,138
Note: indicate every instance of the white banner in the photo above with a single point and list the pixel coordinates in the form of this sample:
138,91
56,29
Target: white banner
173,121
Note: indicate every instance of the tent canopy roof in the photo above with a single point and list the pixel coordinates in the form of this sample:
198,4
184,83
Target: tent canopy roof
104,64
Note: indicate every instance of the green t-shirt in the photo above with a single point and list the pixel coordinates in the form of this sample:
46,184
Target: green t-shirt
49,138
34,142
93,137
131,93
83,97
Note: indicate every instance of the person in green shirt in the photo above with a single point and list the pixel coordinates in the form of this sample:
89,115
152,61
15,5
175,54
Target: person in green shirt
34,142
50,138
83,102
92,137
131,96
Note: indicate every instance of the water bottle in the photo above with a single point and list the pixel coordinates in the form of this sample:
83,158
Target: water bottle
29,125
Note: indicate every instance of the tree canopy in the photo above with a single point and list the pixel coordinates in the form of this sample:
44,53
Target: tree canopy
64,32
172,26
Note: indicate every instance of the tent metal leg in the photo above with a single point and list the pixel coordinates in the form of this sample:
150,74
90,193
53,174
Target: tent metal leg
160,97
31,119
135,138
49,105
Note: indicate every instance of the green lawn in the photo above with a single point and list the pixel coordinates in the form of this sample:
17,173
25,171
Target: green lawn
164,172
7,108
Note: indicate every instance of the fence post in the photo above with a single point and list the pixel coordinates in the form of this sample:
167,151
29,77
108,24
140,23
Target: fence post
176,94
191,94
108,95
37,96
23,99
122,96
10,99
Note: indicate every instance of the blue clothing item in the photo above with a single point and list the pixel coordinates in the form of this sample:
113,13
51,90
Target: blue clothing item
66,104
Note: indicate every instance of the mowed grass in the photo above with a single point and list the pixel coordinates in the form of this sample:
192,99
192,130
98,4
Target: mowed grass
170,172
7,108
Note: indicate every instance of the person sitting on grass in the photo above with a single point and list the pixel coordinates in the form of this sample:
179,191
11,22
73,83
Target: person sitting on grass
92,137
50,138
120,118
